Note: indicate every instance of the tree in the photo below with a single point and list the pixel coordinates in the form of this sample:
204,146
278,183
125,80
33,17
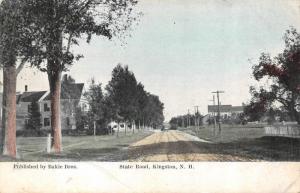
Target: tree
67,79
15,47
34,119
122,92
130,102
59,25
258,105
182,120
175,122
283,73
81,119
154,111
95,100
142,100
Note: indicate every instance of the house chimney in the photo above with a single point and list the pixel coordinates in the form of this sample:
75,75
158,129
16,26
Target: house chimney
26,88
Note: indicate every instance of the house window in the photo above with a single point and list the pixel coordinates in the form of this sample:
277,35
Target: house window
46,108
46,122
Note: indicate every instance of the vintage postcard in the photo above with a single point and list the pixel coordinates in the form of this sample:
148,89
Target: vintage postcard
149,96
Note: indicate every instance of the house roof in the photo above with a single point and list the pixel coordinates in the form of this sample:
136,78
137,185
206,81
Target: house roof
69,91
223,108
237,108
30,96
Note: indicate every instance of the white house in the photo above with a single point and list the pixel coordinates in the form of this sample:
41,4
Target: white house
225,110
71,98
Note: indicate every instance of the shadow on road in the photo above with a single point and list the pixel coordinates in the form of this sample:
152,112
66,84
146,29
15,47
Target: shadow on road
87,154
267,148
264,148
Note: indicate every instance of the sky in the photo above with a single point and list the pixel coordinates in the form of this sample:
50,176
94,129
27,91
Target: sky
184,50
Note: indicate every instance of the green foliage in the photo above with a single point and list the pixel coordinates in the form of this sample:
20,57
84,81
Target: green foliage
256,109
59,25
153,112
184,120
15,32
67,79
34,121
173,126
95,100
81,119
122,89
128,101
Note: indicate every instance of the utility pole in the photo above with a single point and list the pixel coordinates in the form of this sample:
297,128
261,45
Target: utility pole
197,124
188,118
214,113
218,98
94,128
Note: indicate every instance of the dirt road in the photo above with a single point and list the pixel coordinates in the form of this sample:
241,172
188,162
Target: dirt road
155,145
177,146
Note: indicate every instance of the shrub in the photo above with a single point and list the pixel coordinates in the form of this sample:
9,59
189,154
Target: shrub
173,126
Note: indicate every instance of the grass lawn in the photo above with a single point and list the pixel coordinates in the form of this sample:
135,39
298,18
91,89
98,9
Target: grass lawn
228,133
249,141
75,148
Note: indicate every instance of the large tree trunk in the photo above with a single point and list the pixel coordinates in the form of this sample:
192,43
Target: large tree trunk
54,70
55,89
8,141
2,130
1,127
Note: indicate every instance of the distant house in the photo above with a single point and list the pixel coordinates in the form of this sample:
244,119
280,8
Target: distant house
71,98
24,101
226,111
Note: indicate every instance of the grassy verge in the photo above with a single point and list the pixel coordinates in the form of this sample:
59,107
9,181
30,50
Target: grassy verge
249,142
75,148
228,133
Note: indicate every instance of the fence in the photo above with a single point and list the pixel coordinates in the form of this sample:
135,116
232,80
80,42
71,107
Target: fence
283,130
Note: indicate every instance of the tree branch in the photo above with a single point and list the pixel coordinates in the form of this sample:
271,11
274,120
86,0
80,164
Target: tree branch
21,66
69,42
